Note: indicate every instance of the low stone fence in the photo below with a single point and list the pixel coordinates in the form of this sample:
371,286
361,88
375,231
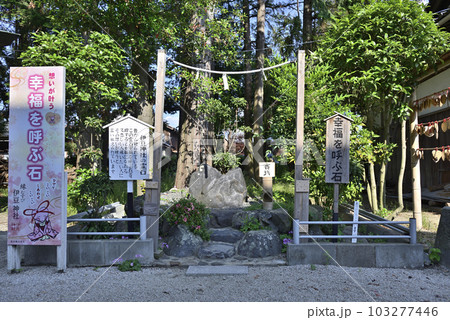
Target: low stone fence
366,255
82,253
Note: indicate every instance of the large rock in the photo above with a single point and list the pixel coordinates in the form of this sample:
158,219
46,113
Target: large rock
216,251
281,220
228,235
443,236
315,213
182,242
217,190
221,218
260,244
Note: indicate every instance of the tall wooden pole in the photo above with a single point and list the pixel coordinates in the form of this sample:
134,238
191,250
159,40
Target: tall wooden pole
153,187
301,204
415,166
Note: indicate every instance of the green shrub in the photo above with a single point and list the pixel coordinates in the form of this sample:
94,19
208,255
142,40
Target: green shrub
89,190
225,161
190,213
435,255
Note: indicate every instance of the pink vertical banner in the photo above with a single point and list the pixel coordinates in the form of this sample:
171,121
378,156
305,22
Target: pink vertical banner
36,155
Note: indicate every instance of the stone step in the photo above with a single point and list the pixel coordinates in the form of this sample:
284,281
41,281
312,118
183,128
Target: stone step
216,250
227,234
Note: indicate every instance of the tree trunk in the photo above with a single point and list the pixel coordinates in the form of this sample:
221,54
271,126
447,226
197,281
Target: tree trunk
185,164
143,109
307,25
248,89
386,121
194,128
401,174
259,91
415,167
372,179
369,190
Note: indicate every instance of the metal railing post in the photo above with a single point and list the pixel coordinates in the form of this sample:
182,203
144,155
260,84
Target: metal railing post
296,231
143,228
412,231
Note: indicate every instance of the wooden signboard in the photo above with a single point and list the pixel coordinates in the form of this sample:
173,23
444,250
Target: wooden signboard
129,140
337,162
267,169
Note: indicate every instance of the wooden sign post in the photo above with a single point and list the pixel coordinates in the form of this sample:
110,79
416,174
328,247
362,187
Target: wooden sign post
337,161
153,187
129,139
267,172
301,201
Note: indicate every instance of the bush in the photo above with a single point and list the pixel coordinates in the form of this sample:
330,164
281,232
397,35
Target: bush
435,255
89,190
192,214
225,161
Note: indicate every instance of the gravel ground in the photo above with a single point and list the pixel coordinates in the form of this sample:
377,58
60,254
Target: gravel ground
291,283
283,283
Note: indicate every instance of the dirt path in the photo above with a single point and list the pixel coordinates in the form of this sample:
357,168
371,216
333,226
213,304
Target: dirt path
430,221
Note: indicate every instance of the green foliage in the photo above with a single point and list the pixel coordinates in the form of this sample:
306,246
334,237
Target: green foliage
251,224
435,255
225,161
190,213
89,190
320,103
98,84
384,212
130,265
380,47
3,199
168,174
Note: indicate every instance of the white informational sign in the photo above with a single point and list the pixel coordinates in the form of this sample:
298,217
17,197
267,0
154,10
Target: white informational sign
36,155
337,162
129,140
267,169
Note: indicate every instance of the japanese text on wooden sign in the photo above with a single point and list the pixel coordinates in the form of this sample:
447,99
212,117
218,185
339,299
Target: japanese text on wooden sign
337,149
129,141
267,169
36,155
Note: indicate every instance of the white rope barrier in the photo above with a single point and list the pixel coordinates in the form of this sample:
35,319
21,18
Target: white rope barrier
229,72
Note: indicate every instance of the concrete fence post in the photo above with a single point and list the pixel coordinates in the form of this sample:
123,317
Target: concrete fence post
412,231
143,228
296,231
